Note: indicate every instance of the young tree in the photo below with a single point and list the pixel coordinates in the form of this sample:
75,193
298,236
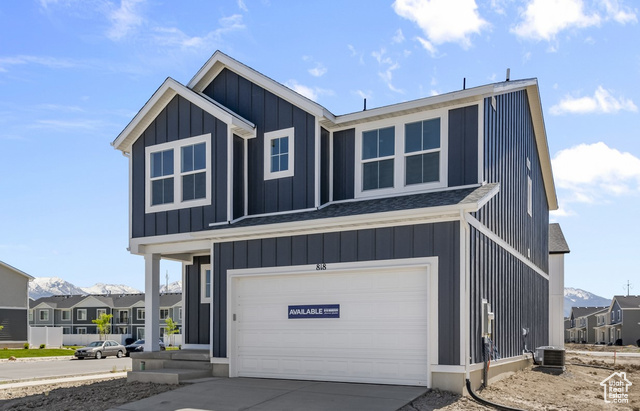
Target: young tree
104,325
172,328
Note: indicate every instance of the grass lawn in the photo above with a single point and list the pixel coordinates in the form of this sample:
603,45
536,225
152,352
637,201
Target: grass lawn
36,352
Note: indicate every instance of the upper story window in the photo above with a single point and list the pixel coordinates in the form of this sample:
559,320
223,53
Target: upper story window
44,315
82,314
141,314
100,311
279,153
422,151
378,149
402,154
178,174
66,315
164,313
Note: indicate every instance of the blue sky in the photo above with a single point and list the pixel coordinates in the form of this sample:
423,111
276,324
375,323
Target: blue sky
73,73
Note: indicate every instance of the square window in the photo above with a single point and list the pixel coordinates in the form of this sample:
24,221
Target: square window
140,314
44,315
82,314
178,174
279,153
66,315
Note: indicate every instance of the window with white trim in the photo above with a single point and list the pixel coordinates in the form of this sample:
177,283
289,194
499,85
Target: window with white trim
44,315
205,283
30,315
140,333
422,151
100,311
178,174
141,314
65,315
81,314
164,313
402,154
279,153
180,313
66,330
81,330
378,149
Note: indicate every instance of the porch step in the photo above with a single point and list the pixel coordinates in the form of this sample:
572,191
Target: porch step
167,375
187,364
190,355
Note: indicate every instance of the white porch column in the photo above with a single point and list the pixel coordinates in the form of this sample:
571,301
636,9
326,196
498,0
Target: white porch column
151,302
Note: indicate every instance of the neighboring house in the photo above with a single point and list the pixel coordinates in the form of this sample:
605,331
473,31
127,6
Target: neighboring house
567,326
582,323
622,321
393,224
75,313
14,306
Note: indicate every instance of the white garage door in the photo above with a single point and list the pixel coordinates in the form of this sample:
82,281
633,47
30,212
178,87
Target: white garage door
380,336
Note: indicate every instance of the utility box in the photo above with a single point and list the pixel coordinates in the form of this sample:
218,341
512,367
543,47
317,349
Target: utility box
487,319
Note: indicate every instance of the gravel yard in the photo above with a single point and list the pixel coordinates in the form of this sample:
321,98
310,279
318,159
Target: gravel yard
578,388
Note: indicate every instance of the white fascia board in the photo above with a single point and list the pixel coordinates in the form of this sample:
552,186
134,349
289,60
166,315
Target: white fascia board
44,305
219,61
15,270
89,302
159,101
539,129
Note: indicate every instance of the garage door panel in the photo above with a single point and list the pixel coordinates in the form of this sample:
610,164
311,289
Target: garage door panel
381,335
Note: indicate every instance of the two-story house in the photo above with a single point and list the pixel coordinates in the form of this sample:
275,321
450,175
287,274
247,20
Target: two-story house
75,313
623,321
14,306
361,247
583,321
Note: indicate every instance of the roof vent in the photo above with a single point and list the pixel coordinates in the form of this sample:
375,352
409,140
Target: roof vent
508,74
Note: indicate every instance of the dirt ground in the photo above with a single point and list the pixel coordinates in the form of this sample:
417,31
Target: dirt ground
578,388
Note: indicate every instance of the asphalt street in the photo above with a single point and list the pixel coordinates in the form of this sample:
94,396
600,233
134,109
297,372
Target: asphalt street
28,370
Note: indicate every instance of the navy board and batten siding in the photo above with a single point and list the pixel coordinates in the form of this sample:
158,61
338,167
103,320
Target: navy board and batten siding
509,142
270,113
517,293
441,240
180,119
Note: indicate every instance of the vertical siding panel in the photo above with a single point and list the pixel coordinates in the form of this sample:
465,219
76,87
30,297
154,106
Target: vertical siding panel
384,243
220,193
173,122
348,246
283,251
268,252
325,163
366,245
403,242
299,250
315,251
298,186
254,254
331,248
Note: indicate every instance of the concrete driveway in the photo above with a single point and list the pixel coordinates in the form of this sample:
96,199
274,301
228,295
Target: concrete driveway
253,394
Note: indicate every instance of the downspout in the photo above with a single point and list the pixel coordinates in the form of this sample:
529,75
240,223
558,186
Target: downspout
466,230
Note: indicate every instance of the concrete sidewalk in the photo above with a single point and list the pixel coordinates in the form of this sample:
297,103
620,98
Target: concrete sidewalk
253,394
46,381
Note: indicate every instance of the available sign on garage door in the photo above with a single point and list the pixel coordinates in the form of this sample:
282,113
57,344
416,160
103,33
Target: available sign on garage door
380,332
314,311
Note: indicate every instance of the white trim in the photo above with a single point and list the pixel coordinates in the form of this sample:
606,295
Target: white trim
481,141
447,368
78,329
318,159
230,176
177,175
81,310
98,310
203,282
140,311
211,313
165,93
399,155
330,183
219,360
493,237
16,308
68,311
195,346
429,263
246,177
43,311
290,135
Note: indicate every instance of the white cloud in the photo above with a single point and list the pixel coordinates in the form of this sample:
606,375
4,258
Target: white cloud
388,67
601,102
312,93
443,21
318,71
125,19
398,37
171,36
544,19
590,172
242,6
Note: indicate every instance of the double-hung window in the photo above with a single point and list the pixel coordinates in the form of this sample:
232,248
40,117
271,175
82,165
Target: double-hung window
378,149
279,153
178,174
66,315
205,283
422,151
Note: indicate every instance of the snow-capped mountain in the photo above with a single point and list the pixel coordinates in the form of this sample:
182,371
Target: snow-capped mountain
174,287
100,288
46,286
575,297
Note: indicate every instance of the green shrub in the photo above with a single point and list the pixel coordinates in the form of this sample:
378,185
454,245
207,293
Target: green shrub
42,346
26,346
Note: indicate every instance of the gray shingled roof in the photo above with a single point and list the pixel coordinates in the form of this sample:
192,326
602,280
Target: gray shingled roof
557,242
465,196
632,301
585,311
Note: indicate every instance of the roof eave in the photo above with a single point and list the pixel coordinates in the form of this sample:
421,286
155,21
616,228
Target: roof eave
15,270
